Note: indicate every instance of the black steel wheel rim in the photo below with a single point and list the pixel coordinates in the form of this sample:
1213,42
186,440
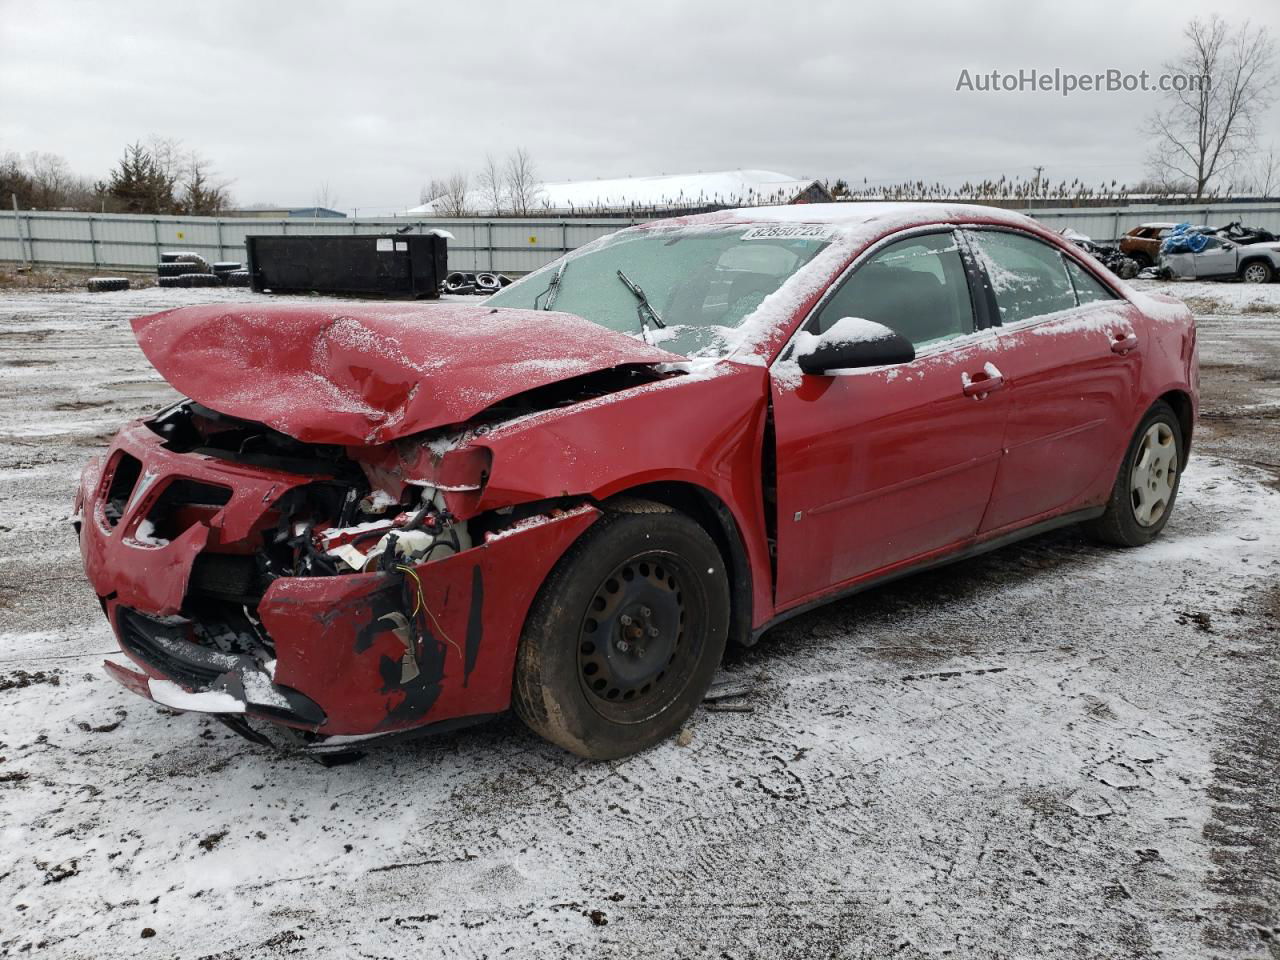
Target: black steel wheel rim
640,638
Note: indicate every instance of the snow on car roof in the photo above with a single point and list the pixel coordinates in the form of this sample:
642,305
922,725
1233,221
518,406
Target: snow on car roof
856,214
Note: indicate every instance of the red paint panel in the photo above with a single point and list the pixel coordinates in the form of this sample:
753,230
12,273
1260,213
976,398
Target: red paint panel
704,432
336,642
881,466
154,578
1074,406
363,374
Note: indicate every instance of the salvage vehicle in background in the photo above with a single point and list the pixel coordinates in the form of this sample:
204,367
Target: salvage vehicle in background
368,520
1124,267
1224,259
1142,243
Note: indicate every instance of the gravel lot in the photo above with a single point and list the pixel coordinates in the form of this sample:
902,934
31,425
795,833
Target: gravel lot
1056,750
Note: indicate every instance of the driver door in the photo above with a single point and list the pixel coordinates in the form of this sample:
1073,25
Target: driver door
880,467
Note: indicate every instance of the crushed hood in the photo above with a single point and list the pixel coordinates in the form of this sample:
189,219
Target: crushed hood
368,374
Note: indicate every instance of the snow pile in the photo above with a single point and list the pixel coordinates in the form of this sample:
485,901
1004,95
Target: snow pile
209,701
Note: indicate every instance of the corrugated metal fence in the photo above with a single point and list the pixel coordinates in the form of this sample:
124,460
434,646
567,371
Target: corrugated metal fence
118,241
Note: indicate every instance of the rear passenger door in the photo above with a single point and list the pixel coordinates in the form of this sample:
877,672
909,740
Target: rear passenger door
1071,354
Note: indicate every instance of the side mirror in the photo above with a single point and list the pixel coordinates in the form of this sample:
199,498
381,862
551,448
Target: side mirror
850,343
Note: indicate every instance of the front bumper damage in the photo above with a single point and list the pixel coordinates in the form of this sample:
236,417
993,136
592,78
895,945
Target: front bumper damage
343,658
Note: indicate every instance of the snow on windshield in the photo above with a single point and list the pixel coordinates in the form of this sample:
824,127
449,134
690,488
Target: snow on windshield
686,289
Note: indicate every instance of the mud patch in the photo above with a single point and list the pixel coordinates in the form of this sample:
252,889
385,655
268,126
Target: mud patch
19,679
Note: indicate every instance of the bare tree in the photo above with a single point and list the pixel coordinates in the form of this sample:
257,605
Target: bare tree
522,182
1208,127
454,201
202,194
169,156
1265,173
434,189
491,186
51,179
324,196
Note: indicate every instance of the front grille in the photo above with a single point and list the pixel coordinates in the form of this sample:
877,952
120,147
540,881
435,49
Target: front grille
226,576
165,647
125,471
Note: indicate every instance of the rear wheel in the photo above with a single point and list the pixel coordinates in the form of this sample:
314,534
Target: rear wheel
1142,499
1256,272
1143,260
624,636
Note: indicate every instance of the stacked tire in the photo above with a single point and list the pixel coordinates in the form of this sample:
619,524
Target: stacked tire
199,263
190,280
480,284
184,268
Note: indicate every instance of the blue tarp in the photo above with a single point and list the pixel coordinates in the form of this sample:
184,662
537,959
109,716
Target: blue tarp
1184,239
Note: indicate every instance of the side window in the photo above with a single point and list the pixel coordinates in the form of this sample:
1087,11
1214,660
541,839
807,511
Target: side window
1088,290
915,286
1028,277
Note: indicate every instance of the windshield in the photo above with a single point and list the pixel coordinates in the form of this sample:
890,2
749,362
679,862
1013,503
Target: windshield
684,288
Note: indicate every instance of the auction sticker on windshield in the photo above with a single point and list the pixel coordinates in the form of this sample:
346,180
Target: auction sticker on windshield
789,231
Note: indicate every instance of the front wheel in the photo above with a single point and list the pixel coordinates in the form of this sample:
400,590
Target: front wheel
625,634
1256,272
1147,485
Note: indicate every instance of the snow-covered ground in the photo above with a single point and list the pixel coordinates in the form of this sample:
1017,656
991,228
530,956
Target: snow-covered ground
1055,750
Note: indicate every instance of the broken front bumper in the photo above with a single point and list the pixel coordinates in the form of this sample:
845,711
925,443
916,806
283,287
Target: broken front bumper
354,655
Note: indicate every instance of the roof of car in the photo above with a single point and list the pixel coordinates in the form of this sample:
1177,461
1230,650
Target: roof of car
1163,225
860,212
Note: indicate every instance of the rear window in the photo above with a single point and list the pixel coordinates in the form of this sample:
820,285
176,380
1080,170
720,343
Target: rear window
1088,289
1027,276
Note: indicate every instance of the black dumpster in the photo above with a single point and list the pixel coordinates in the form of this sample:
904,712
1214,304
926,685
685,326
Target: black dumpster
402,266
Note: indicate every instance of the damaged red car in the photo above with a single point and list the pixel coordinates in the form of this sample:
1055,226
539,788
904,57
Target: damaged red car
367,520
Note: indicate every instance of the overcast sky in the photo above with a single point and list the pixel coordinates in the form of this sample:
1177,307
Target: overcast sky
375,98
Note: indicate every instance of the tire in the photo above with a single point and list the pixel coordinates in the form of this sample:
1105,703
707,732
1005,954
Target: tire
107,284
1138,509
237,278
186,256
227,266
487,283
201,280
606,700
171,282
1257,271
1141,259
174,269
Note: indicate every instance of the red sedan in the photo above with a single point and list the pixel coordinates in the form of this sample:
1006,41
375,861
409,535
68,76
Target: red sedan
374,519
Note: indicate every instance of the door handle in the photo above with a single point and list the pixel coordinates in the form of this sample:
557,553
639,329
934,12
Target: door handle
988,381
1124,342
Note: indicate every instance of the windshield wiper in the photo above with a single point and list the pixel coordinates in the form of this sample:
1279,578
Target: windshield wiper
552,291
644,309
